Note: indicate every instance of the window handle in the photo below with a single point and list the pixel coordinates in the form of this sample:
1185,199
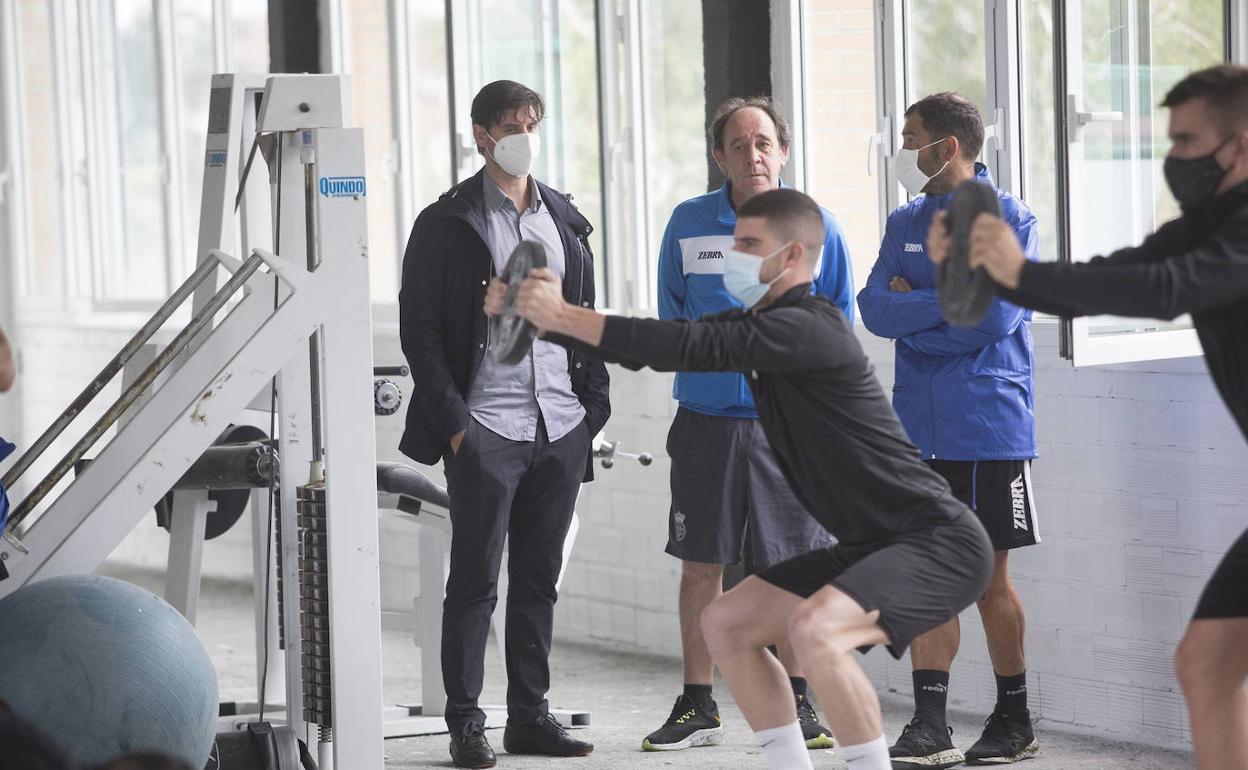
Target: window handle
1077,120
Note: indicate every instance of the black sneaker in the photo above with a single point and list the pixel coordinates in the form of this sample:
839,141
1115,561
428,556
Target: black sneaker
817,736
924,746
688,726
543,736
469,748
1007,738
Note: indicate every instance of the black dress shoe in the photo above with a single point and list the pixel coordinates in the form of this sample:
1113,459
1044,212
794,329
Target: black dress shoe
469,748
543,736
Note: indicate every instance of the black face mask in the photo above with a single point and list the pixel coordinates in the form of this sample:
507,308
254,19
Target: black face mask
1193,181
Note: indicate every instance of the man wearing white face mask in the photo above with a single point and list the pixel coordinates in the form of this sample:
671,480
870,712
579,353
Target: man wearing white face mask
725,481
514,439
965,398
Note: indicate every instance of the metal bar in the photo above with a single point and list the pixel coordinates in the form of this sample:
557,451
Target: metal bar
314,341
205,269
132,393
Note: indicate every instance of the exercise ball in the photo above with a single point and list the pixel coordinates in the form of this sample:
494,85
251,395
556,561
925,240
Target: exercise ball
106,668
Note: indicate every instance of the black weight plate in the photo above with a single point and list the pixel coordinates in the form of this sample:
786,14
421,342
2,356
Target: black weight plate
966,294
514,335
231,503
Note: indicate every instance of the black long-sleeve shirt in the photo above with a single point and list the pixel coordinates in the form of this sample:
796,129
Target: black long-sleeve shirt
825,414
1195,264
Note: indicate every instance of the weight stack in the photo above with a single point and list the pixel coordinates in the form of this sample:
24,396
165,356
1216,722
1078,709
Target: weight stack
314,604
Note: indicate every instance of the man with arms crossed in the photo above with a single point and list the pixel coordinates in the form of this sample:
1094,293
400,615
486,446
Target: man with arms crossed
965,398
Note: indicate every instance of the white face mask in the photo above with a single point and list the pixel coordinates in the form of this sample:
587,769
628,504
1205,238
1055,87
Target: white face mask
741,276
908,173
515,153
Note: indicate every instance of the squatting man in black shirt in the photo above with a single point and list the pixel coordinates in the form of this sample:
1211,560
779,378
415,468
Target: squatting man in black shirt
909,557
1195,264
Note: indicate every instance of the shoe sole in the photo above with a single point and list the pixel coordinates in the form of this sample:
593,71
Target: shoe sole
821,741
939,760
711,736
1027,752
479,766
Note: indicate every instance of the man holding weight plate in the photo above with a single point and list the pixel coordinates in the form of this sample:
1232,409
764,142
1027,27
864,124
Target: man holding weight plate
1196,264
515,438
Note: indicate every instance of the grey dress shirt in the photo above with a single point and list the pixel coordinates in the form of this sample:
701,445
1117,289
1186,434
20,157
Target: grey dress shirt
509,399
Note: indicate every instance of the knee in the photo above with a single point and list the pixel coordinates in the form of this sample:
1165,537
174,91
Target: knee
1196,667
721,622
815,635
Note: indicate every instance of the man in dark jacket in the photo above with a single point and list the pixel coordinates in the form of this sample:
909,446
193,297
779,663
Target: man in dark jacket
515,439
909,557
1195,264
965,398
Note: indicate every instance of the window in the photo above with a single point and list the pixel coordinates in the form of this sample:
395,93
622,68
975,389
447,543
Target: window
675,128
1121,58
368,59
1039,117
113,104
932,63
44,270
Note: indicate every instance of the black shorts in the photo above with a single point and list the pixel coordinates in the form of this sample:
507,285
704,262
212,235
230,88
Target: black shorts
917,580
1000,494
1226,593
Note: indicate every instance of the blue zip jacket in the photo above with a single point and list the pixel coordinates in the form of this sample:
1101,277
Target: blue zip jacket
691,285
961,394
6,449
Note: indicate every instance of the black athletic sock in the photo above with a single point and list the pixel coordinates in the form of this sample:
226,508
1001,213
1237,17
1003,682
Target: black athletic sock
798,683
1012,694
701,695
931,690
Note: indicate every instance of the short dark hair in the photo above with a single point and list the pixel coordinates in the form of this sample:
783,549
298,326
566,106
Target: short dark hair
1224,86
792,215
948,114
498,99
734,105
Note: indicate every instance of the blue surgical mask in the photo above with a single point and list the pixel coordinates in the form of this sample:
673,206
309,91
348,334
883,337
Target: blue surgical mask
741,276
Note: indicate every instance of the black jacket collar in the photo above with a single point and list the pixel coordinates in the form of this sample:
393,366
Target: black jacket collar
466,198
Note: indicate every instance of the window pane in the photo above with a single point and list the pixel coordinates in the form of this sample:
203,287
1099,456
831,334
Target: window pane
136,270
368,52
1132,52
841,105
932,64
251,35
194,55
430,101
43,265
1039,122
675,110
554,52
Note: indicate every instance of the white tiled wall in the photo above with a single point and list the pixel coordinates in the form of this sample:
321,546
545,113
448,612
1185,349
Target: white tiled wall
1142,484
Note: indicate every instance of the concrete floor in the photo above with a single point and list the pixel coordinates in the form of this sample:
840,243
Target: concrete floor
627,695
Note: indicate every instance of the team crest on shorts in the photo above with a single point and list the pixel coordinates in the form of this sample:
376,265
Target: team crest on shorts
679,518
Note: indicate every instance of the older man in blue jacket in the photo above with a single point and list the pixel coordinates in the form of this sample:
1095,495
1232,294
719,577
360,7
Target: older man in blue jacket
725,479
965,397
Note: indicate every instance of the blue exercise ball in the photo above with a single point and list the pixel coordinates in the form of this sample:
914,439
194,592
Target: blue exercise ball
106,668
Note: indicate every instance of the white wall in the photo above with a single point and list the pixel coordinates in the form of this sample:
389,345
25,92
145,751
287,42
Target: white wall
1141,486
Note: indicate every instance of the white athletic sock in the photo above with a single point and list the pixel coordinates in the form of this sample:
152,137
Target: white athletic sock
785,748
866,756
